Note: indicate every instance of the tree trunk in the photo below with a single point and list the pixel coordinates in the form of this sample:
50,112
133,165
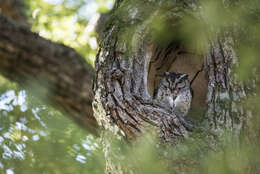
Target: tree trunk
129,65
133,56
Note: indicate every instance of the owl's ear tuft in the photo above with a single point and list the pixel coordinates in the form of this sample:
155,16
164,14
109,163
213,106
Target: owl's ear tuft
166,73
184,76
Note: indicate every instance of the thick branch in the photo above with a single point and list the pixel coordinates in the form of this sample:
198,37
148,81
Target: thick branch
14,9
62,76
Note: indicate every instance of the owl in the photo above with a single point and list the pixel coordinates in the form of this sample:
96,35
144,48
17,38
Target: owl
174,90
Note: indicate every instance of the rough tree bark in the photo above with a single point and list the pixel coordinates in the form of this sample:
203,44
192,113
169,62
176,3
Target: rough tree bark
14,9
128,68
123,101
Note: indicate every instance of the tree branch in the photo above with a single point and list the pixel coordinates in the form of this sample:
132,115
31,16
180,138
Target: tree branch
14,9
61,76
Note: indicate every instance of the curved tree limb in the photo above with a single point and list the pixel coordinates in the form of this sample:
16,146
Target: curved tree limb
14,9
62,76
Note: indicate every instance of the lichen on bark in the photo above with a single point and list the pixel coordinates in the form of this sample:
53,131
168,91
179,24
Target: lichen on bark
122,98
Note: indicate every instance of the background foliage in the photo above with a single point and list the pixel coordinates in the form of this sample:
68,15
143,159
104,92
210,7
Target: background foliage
35,138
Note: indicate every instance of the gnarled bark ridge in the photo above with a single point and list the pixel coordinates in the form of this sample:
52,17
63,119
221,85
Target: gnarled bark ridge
122,102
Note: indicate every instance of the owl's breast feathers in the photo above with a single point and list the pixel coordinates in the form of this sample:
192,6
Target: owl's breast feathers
183,102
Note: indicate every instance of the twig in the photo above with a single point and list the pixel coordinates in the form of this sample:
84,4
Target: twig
197,73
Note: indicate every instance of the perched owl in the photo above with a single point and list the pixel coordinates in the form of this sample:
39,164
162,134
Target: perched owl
174,90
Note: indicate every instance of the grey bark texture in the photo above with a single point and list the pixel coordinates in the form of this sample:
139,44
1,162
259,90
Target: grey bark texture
129,66
127,69
121,91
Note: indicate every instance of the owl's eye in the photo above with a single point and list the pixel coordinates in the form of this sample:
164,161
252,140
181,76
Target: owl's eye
181,85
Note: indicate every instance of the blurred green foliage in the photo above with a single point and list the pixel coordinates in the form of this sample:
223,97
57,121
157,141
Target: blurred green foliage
71,22
197,26
34,138
194,155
